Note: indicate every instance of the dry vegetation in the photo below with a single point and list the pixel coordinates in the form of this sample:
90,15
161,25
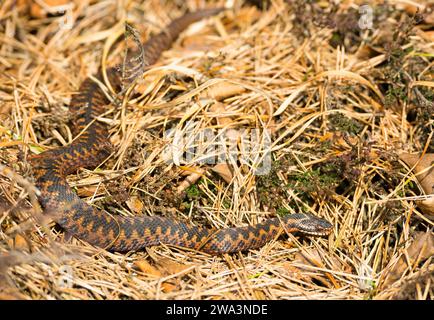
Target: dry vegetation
340,104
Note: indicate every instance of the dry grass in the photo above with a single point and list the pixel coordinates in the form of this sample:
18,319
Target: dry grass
338,116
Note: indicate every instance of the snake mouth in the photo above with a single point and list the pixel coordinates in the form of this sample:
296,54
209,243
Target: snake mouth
320,233
314,226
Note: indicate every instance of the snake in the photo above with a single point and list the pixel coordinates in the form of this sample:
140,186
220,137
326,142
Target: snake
121,233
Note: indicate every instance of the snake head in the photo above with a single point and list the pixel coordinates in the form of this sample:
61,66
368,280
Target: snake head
311,225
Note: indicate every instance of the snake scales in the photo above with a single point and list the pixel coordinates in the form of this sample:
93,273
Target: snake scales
119,233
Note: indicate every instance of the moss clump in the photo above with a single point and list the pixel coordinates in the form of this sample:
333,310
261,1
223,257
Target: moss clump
271,190
192,192
342,123
281,211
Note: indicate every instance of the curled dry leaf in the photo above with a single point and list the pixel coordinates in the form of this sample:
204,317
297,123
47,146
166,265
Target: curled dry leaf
424,171
166,267
224,171
135,204
193,43
19,243
146,268
411,287
421,249
293,272
10,259
87,191
411,8
38,11
223,90
429,18
427,35
190,179
312,257
171,267
219,108
168,287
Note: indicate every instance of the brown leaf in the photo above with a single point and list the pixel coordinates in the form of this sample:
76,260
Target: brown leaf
427,35
421,249
224,171
198,42
20,243
190,179
87,191
10,293
424,171
429,18
427,207
410,287
168,287
366,52
220,109
259,295
37,11
146,268
294,272
224,90
135,204
312,257
171,267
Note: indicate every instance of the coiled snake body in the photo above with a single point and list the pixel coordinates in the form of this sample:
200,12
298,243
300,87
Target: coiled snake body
119,233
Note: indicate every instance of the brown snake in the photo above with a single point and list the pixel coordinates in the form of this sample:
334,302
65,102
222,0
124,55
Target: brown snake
119,233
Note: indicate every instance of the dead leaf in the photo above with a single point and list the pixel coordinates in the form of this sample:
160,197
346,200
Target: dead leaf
424,171
312,257
135,204
412,8
421,249
37,11
293,272
410,287
220,109
427,207
87,191
171,267
224,171
190,180
427,35
429,19
10,293
197,42
168,287
259,295
223,90
366,52
146,268
20,243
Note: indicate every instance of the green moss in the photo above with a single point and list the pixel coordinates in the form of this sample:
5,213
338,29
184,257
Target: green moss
281,211
336,39
270,189
324,177
226,203
395,94
193,191
345,124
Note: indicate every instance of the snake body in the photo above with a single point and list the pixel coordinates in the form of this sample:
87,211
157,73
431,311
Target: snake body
120,233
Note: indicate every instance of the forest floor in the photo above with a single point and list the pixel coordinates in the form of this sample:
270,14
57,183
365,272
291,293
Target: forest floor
317,107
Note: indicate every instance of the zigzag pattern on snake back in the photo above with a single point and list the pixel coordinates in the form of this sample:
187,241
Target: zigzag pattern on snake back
119,233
